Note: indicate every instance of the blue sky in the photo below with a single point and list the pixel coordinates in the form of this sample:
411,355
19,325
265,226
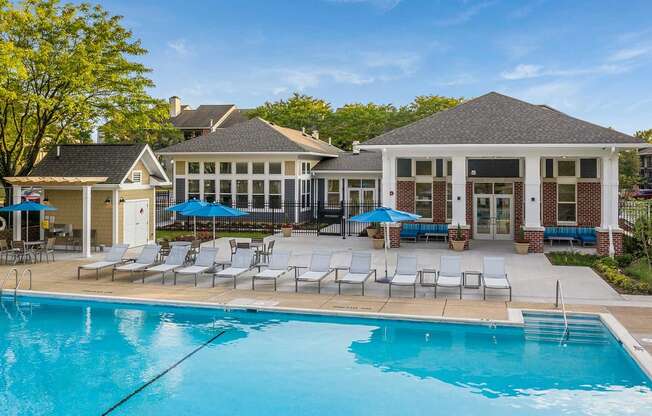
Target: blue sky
590,59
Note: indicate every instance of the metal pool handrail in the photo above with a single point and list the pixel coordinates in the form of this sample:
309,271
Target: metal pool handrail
13,269
21,279
560,297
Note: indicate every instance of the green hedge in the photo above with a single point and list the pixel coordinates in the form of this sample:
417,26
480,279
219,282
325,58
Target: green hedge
608,268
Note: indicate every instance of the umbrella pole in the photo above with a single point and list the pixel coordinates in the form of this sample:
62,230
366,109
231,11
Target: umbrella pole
194,226
26,226
386,235
213,231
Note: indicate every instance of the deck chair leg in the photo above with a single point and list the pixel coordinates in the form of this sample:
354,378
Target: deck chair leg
510,294
163,278
234,281
78,272
460,292
195,280
435,290
390,290
319,286
213,280
97,274
296,285
252,283
484,293
339,288
274,284
112,274
414,291
175,279
362,288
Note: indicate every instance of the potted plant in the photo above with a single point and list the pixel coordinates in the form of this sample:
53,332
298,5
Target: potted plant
378,240
372,230
458,241
521,244
286,229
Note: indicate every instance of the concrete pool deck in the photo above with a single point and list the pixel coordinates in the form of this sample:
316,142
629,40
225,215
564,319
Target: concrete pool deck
532,277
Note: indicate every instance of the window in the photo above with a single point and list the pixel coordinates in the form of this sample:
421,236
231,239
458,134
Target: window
193,189
305,168
226,195
439,168
403,168
137,176
449,202
549,168
242,168
258,193
566,203
423,167
275,194
368,183
258,168
193,167
503,188
274,168
242,193
485,188
588,168
424,199
209,190
209,167
449,168
225,168
333,192
305,193
566,168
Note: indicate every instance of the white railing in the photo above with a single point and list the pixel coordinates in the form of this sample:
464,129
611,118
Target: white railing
559,300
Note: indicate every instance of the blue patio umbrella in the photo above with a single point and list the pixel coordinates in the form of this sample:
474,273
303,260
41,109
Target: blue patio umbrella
385,215
214,209
189,205
27,206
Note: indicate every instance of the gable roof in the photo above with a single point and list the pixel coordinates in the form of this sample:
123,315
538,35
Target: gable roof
365,161
255,135
113,161
498,119
234,117
201,117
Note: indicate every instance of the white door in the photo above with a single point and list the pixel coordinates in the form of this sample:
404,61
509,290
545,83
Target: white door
493,217
136,222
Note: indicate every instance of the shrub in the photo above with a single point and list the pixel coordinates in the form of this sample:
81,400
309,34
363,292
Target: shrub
624,260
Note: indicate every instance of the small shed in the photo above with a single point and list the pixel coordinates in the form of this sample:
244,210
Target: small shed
104,193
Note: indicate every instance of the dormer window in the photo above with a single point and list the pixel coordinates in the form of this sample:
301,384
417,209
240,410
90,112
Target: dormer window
137,176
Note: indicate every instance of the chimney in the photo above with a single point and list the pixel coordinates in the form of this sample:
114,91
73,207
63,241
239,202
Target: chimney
175,106
315,134
303,130
210,123
356,149
330,141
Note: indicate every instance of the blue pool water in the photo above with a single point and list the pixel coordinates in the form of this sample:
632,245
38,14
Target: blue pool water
81,358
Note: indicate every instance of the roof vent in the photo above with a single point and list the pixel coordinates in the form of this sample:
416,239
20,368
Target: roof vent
330,141
356,148
58,151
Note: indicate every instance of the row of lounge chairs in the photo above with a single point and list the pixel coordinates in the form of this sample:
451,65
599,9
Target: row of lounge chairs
358,272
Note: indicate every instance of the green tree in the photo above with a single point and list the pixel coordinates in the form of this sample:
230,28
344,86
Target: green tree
358,122
297,112
645,135
65,68
629,167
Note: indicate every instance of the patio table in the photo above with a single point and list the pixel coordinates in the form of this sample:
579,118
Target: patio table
465,281
562,238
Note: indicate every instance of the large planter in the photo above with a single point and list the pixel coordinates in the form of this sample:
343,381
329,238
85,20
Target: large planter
371,232
521,247
287,231
378,243
458,245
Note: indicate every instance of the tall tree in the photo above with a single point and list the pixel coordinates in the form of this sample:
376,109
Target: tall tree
65,68
645,135
297,112
358,122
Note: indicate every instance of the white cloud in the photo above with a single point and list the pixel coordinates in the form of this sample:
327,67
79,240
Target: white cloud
179,46
558,94
522,71
383,5
301,79
462,79
279,90
628,54
465,15
407,63
525,71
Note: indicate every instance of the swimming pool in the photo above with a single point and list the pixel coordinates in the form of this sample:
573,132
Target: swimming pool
62,357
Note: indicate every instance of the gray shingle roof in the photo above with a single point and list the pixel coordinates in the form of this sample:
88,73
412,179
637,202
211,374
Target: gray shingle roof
98,160
201,116
255,135
497,119
236,116
365,161
645,152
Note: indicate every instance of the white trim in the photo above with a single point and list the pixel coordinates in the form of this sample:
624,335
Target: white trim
166,180
124,218
219,122
115,210
497,145
317,171
199,154
86,221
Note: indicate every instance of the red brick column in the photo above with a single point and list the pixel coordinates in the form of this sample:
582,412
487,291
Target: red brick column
535,237
405,195
549,204
602,245
439,202
518,206
589,204
469,207
452,235
395,235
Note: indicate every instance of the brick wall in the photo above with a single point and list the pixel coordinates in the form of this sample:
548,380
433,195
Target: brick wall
602,245
469,207
405,196
452,235
535,238
518,207
589,204
394,235
439,202
549,204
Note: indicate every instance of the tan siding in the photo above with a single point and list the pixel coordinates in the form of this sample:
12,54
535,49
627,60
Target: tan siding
141,167
138,194
181,167
290,169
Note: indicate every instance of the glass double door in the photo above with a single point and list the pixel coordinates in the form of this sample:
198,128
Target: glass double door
360,200
493,217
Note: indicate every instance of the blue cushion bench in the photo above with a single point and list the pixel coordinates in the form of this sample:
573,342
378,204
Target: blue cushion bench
584,235
410,231
430,230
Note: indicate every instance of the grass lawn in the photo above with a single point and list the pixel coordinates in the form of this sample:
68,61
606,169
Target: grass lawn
640,270
171,235
563,258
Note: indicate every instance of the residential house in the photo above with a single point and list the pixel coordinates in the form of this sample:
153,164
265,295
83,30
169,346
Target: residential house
204,119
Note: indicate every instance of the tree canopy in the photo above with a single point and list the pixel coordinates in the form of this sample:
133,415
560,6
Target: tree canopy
66,68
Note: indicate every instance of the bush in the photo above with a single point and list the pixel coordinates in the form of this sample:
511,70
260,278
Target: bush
624,260
607,267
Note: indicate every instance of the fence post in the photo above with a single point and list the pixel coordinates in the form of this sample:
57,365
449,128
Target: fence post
342,221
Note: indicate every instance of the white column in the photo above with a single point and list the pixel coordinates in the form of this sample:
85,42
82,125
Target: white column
458,183
115,206
17,191
615,183
606,187
86,221
388,182
532,191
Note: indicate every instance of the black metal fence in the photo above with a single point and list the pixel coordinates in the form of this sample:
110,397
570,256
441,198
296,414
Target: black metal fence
632,210
313,217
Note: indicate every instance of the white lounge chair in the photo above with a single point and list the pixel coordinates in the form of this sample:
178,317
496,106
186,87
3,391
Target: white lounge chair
277,267
113,256
204,262
450,273
175,260
146,258
320,267
406,273
359,271
242,262
494,276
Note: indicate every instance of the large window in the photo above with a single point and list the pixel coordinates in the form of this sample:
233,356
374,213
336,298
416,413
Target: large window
209,190
305,193
209,168
226,194
225,168
258,168
424,199
449,202
423,167
275,194
242,168
193,189
566,203
258,193
274,168
242,193
193,167
566,168
333,192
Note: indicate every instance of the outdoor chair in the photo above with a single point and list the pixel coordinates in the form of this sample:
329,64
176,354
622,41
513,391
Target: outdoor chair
494,276
241,263
165,248
277,267
195,245
234,247
48,250
175,260
406,273
204,262
74,239
145,259
267,251
113,257
5,250
450,273
20,253
359,271
320,267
